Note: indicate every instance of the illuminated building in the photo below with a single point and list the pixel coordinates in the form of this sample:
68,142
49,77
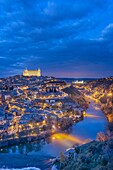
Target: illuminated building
78,82
32,72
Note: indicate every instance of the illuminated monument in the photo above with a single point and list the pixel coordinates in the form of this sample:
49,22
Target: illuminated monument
32,72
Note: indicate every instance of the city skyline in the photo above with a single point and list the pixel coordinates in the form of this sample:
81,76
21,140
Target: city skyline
64,39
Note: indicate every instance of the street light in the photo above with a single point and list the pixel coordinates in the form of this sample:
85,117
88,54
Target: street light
53,127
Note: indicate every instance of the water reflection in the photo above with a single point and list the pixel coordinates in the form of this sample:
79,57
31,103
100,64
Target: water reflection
93,116
69,140
36,146
60,140
79,133
67,137
25,148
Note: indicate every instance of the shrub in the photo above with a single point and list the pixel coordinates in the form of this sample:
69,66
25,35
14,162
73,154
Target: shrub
104,162
77,150
111,145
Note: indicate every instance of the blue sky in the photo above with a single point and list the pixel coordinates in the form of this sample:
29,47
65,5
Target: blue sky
65,38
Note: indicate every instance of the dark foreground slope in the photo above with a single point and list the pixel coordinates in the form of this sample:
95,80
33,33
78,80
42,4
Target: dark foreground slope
92,156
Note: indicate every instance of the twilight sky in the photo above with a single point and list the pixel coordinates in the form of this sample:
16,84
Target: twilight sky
65,38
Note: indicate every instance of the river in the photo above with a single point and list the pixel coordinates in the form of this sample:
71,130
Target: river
94,122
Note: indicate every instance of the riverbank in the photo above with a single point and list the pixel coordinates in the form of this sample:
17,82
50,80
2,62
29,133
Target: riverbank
51,148
36,137
66,121
91,156
101,90
17,141
105,111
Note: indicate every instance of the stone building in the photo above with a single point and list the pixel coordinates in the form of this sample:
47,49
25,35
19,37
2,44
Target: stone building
32,72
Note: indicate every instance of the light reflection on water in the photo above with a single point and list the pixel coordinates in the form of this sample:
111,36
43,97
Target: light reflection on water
79,133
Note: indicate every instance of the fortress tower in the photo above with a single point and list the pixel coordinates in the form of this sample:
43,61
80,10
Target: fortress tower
32,73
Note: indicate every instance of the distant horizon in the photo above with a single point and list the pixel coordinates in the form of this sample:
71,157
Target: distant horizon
59,77
44,73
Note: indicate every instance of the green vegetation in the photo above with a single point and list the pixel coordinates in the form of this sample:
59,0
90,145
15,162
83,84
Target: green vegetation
95,155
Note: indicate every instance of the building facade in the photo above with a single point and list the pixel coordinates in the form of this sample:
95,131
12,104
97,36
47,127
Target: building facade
32,72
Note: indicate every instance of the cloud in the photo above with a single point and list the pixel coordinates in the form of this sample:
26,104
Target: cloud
72,36
1,57
107,33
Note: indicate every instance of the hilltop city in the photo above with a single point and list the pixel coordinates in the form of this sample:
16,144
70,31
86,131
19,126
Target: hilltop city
35,105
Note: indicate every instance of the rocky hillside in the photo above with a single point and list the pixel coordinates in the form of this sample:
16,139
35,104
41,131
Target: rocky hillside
92,156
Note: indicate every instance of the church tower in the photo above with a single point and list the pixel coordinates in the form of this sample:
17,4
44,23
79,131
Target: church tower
39,72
